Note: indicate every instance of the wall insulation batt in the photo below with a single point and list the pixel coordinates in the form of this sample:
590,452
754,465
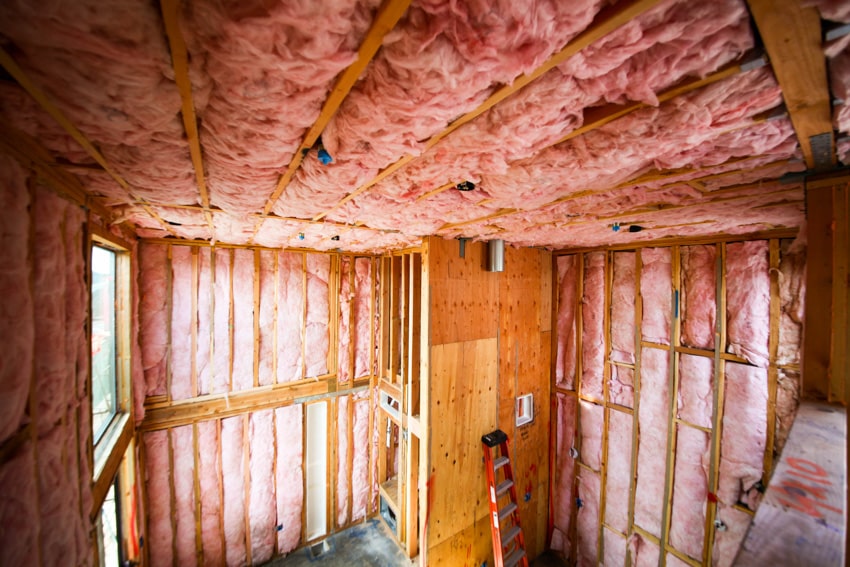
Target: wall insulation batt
45,417
659,428
248,328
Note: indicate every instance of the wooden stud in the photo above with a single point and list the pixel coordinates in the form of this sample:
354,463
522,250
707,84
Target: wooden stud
275,487
275,337
792,38
257,318
717,408
231,340
672,408
180,61
304,472
334,289
636,403
580,263
840,344
385,20
819,283
608,20
303,316
220,489
246,470
597,116
199,542
772,371
169,301
193,376
172,496
373,266
606,379
351,323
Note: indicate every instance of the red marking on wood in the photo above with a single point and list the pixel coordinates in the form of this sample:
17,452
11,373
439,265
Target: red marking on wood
712,497
807,466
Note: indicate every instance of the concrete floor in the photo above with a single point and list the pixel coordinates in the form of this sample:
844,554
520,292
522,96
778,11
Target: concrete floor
365,545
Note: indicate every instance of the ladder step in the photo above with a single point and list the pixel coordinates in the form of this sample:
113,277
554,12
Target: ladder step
499,462
507,511
510,535
514,558
504,486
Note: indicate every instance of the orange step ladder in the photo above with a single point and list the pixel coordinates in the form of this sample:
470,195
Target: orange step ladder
508,549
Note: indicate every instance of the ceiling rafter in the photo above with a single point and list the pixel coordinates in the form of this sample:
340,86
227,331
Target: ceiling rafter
34,156
180,62
642,178
388,16
215,210
792,38
598,116
606,21
42,99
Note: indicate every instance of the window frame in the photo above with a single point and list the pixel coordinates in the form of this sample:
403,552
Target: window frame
111,448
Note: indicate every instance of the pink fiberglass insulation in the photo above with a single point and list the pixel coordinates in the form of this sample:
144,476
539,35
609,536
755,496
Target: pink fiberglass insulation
728,541
209,478
591,418
745,415
268,282
182,449
158,475
68,46
613,548
563,497
262,505
656,287
621,386
222,257
343,474
619,470
55,496
153,316
316,335
652,442
289,476
442,60
243,319
696,393
363,325
623,308
53,383
792,301
587,517
698,301
19,501
262,71
344,337
674,561
644,553
839,73
636,61
592,325
690,490
565,366
16,317
360,464
181,323
748,300
233,479
290,313
834,10
203,355
787,400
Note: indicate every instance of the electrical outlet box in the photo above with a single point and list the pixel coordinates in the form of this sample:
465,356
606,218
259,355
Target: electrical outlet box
524,409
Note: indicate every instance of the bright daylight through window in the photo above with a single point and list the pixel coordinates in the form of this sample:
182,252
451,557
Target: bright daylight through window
103,340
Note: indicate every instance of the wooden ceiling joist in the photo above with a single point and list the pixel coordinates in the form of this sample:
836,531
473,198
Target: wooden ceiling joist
180,62
605,22
41,98
642,178
792,38
388,16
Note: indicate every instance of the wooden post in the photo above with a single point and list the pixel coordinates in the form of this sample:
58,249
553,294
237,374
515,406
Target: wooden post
772,370
819,281
636,403
199,542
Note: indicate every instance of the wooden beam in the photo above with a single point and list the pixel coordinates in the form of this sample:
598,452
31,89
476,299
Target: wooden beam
608,20
792,38
41,98
598,116
388,16
180,62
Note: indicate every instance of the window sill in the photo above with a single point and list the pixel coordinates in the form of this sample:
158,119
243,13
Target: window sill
108,455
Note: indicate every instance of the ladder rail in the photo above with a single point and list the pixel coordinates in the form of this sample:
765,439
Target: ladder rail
514,540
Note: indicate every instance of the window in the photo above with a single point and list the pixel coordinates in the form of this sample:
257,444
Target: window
108,529
104,359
